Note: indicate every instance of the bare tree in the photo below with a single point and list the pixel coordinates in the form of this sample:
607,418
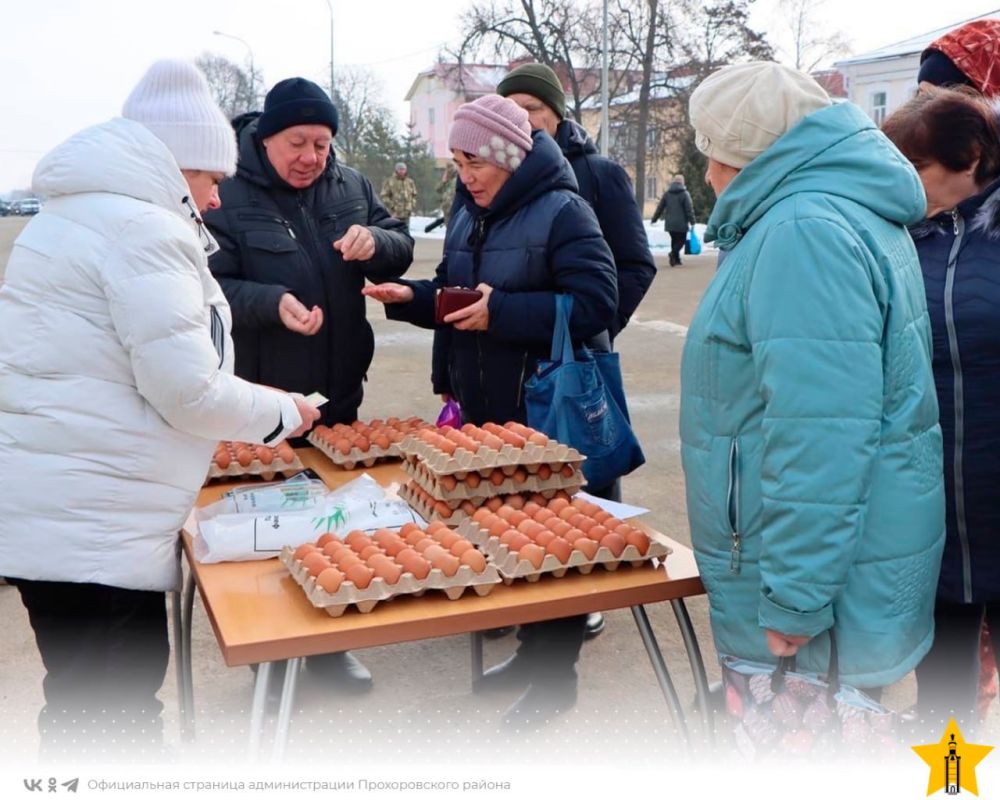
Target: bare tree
235,89
809,43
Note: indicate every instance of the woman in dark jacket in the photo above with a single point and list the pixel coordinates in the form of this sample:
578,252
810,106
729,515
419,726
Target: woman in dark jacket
951,136
520,234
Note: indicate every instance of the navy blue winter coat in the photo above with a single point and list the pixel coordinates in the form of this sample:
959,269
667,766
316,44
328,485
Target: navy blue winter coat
537,238
960,258
608,189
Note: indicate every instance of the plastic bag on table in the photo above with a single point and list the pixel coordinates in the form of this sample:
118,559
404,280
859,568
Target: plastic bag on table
451,415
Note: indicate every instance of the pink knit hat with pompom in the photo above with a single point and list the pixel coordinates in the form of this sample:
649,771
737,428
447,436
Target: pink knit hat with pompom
492,128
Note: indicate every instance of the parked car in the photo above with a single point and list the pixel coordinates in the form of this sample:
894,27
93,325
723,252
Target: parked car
6,209
31,205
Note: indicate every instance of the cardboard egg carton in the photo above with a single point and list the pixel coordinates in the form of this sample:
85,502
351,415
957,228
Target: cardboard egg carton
512,568
484,458
378,590
432,483
256,468
356,456
412,494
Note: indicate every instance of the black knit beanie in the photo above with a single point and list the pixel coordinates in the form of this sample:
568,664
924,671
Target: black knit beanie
938,69
539,81
296,101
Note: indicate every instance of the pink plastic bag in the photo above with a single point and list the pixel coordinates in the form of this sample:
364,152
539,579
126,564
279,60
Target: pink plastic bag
451,415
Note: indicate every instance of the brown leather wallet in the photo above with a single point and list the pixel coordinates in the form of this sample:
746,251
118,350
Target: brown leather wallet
452,298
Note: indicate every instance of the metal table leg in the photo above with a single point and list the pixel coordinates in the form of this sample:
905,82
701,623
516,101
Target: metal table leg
697,665
476,645
257,709
187,728
660,669
175,613
285,709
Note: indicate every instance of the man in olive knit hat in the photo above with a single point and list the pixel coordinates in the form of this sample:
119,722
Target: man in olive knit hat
608,189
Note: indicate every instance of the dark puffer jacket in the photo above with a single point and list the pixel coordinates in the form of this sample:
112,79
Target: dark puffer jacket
537,238
608,189
676,208
276,239
960,258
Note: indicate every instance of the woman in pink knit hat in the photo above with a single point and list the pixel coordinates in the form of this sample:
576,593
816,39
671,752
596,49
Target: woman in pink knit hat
521,234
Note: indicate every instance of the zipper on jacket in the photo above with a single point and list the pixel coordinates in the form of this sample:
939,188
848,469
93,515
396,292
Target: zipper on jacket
959,399
520,383
476,239
269,218
218,335
733,506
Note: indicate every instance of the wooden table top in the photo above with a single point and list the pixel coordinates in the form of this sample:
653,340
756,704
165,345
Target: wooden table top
259,613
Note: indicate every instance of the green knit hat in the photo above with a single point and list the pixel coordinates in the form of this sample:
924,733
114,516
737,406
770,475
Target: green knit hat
539,81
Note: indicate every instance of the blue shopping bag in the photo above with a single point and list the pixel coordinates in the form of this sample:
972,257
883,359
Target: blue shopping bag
693,243
578,399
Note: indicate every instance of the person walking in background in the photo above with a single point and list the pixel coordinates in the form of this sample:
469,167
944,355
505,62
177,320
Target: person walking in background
446,190
966,56
953,139
399,195
115,386
608,190
677,211
299,234
521,235
809,419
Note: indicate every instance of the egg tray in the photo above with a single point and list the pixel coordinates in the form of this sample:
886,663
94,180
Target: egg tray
430,482
512,568
428,513
462,460
255,469
366,458
378,590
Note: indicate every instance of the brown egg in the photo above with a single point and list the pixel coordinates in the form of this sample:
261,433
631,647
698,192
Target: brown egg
567,471
530,528
343,446
358,425
517,541
358,540
387,571
244,455
447,446
515,501
544,472
344,556
538,438
381,441
585,506
441,559
517,517
370,550
543,515
459,546
497,477
419,567
415,536
394,547
506,512
533,554
382,535
468,507
623,528
586,546
264,454
639,541
615,543
499,527
557,504
222,459
408,528
473,479
285,452
473,559
359,575
406,552
596,532
602,516
583,523
494,503
481,515
303,550
559,526
539,499
567,513
573,534
448,483
531,508
325,539
560,548
423,544
330,549
442,510
513,439
449,539
543,537
508,535
329,580
315,562
435,526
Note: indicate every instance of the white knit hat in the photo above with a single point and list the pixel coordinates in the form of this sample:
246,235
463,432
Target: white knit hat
741,110
173,100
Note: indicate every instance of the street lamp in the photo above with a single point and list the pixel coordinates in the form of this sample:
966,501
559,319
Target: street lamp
329,5
253,76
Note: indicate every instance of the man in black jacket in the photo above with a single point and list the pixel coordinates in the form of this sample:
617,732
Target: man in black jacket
678,213
299,234
608,190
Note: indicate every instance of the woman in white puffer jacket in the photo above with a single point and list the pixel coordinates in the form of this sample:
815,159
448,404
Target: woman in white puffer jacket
115,385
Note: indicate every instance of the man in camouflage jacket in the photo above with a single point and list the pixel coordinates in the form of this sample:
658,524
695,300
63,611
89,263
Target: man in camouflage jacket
399,195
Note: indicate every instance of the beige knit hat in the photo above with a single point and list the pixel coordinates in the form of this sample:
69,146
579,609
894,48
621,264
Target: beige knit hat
739,111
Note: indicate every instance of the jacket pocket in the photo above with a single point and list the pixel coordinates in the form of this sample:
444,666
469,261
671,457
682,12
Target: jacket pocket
271,242
733,506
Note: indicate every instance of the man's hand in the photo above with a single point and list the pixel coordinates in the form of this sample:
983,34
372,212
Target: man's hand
475,317
307,411
358,244
297,318
389,293
781,644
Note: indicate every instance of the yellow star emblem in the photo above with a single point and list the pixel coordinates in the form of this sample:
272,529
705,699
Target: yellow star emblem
952,762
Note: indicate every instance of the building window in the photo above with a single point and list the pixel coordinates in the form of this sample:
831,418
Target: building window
650,139
878,107
430,115
651,186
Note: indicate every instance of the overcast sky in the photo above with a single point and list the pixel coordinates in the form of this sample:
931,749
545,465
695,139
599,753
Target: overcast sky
66,64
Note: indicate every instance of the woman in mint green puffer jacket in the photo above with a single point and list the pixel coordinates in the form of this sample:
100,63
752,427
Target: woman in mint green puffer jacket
809,430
